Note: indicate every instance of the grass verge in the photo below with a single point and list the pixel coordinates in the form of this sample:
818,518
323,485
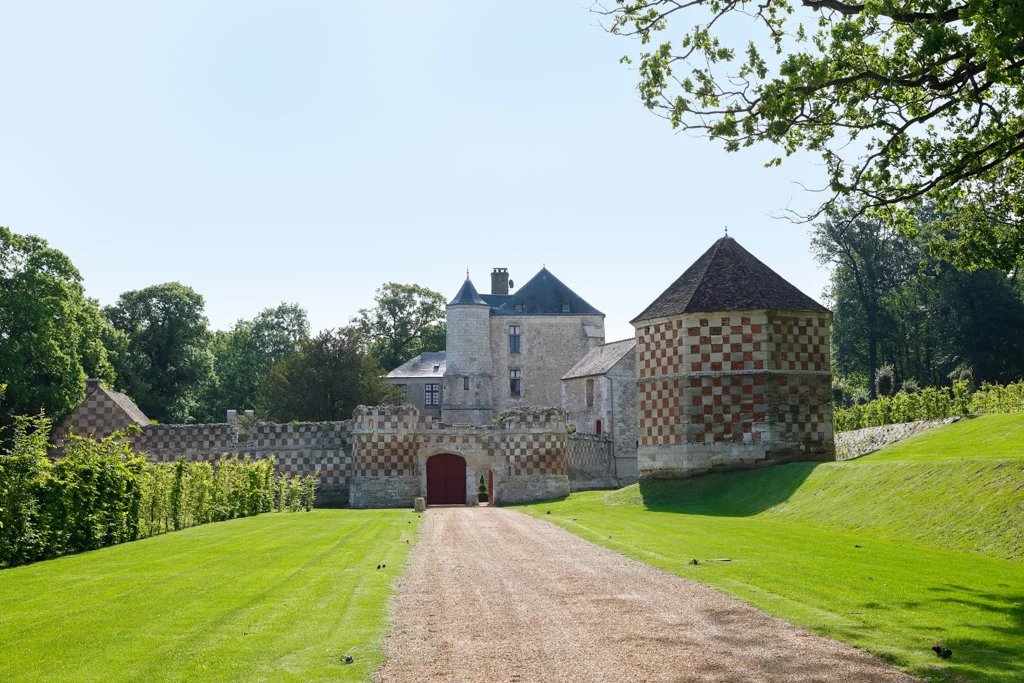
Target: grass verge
273,597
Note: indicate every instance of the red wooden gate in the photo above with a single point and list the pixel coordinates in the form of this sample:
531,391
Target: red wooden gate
446,480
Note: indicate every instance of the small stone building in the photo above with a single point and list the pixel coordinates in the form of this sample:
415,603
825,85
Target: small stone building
599,399
733,370
421,379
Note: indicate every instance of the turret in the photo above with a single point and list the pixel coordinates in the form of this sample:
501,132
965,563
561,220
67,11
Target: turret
467,387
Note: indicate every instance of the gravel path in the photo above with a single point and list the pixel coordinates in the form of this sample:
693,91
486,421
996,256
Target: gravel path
495,595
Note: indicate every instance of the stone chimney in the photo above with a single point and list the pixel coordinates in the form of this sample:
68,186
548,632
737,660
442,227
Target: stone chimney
91,385
499,281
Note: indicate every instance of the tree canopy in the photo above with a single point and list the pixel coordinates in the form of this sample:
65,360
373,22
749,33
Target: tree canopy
51,335
405,321
325,379
167,360
905,100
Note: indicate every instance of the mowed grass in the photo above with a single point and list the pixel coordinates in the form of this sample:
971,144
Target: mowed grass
274,597
891,555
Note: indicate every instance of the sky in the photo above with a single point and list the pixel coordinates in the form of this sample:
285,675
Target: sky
308,152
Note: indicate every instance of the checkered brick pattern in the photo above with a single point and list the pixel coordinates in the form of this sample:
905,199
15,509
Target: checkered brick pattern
171,441
660,415
536,454
724,343
588,455
384,455
311,435
725,408
657,354
803,412
98,416
801,343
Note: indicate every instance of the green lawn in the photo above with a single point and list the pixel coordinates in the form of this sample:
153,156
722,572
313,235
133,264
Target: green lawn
886,552
274,597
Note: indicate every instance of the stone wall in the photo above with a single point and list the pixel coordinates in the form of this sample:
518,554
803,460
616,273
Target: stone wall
736,389
858,442
591,462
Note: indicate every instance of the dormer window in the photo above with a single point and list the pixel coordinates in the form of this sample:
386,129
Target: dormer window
437,367
519,308
565,308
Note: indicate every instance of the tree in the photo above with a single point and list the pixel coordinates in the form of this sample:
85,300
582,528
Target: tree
244,356
869,262
51,336
325,379
905,100
405,321
167,359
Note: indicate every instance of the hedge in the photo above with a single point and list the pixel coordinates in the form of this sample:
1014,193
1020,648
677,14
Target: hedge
103,493
931,404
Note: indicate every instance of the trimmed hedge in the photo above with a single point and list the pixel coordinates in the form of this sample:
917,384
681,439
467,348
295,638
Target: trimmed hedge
103,493
931,404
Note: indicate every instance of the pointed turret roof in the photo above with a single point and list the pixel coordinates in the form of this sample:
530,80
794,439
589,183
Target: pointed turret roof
467,296
544,294
727,277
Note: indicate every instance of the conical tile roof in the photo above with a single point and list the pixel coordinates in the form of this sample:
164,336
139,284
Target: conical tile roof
467,296
727,277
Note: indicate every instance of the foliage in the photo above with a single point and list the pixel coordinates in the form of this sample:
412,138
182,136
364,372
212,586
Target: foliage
897,304
271,597
903,99
925,548
102,493
244,356
884,385
406,320
167,359
325,379
51,336
931,404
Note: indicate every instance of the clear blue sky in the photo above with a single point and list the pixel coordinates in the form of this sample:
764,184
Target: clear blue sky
309,151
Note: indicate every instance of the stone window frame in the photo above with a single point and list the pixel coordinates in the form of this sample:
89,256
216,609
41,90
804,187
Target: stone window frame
432,394
515,338
590,392
465,382
515,382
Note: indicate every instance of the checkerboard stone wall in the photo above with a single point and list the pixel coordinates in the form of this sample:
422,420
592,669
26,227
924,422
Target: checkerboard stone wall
757,380
98,416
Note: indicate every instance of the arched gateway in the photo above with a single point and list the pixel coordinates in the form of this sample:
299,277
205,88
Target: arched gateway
446,479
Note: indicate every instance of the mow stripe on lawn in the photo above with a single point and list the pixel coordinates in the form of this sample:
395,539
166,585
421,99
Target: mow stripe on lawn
274,597
891,553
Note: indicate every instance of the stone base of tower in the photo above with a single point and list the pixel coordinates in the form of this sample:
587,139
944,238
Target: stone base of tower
686,460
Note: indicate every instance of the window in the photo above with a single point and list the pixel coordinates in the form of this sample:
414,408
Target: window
590,393
597,427
514,339
432,394
519,308
465,383
515,383
565,308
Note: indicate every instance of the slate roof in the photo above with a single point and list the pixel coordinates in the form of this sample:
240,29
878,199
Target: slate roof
727,277
467,296
127,405
544,294
422,366
601,359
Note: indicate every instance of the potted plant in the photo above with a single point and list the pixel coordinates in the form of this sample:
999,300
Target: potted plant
481,491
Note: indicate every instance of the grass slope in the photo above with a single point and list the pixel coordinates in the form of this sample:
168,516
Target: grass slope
274,597
884,552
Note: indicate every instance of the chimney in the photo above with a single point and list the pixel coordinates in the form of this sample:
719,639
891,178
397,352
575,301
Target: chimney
91,385
499,281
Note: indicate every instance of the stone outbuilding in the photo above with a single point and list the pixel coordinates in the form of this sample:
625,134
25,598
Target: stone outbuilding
421,379
732,370
599,398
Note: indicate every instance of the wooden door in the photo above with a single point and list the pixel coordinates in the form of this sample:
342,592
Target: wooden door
446,480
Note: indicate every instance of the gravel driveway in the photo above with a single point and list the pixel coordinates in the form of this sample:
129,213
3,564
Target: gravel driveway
495,595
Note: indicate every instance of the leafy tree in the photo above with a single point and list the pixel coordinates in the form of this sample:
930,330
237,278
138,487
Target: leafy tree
903,99
167,359
405,321
51,336
325,379
244,356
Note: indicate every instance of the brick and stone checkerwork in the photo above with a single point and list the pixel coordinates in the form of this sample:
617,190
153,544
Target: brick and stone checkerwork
733,370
